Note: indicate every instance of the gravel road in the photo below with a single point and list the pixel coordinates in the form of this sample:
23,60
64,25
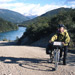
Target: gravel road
29,60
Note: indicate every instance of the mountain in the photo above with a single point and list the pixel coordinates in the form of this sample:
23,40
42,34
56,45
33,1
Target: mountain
7,26
55,11
32,16
46,15
12,16
46,24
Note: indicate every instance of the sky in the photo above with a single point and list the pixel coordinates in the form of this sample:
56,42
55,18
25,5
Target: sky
35,7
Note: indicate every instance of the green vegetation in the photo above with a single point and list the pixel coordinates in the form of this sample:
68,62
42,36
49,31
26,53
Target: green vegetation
12,16
5,39
47,24
7,26
17,38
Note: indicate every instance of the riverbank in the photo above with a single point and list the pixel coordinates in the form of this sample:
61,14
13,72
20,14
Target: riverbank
12,35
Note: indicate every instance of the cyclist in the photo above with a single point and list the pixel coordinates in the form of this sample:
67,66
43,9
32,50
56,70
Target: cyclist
62,36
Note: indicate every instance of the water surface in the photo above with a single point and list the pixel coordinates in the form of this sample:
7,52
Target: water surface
12,35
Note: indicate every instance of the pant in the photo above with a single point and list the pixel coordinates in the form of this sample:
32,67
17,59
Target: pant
65,54
50,48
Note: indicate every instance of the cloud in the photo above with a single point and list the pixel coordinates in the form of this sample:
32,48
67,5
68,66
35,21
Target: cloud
31,9
4,1
38,10
35,9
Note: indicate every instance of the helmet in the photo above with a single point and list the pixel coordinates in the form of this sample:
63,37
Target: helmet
60,25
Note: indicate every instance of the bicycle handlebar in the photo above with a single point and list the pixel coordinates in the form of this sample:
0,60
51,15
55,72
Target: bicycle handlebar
57,44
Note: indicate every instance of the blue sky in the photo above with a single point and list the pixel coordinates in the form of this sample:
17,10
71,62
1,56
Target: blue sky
35,7
42,2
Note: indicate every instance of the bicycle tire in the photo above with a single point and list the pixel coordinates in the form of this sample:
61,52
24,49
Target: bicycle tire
55,59
58,55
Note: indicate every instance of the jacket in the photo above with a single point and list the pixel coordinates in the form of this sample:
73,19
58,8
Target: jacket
62,37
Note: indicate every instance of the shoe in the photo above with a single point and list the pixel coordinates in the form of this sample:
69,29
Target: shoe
64,63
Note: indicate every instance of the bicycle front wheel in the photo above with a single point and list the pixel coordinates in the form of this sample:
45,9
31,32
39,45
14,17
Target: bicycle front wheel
56,59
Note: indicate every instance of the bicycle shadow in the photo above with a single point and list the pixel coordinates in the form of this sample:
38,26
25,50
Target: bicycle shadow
29,63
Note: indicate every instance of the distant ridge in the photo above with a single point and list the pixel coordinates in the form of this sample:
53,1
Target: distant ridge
48,14
55,11
12,16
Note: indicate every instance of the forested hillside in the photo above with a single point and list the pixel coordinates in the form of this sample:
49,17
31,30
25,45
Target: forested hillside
45,17
12,16
7,26
45,25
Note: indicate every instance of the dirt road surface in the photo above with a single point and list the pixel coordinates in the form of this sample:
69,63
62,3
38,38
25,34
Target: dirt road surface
26,60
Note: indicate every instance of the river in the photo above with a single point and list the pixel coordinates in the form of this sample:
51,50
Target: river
12,35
